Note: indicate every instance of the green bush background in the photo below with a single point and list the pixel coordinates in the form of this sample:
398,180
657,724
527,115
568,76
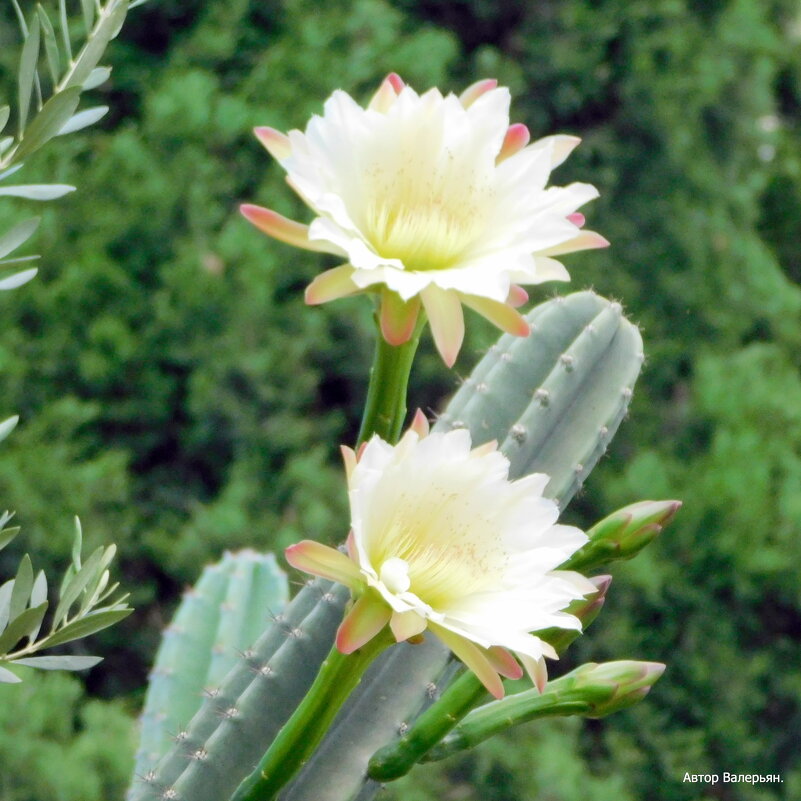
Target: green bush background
175,392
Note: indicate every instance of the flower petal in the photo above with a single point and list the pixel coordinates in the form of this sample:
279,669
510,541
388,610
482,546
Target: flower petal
517,296
517,137
474,91
447,321
420,424
499,314
387,93
504,662
406,624
368,615
276,143
330,285
537,670
474,658
282,228
322,560
584,240
398,317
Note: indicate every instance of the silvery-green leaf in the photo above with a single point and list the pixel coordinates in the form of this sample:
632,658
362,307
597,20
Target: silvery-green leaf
96,581
7,677
65,28
27,71
18,279
20,260
88,8
83,119
5,143
37,191
5,113
76,586
23,582
38,596
107,27
6,427
6,535
59,662
49,121
97,76
10,171
51,46
77,544
17,236
5,603
83,627
22,626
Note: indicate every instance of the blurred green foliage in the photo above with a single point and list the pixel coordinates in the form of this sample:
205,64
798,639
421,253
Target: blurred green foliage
176,393
55,743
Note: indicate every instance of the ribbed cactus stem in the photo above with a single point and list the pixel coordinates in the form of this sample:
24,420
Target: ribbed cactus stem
290,750
225,738
218,618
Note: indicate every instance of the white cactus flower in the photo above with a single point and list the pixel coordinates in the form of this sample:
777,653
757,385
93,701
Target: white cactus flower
433,201
442,540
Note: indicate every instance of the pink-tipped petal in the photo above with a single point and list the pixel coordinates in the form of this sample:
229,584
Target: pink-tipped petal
330,285
577,218
387,93
349,458
398,317
406,624
517,296
322,560
350,546
447,321
562,146
584,240
536,669
474,91
474,658
504,662
420,424
276,143
395,81
517,137
505,317
281,228
368,615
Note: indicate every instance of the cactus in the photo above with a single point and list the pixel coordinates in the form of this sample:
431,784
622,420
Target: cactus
554,400
221,615
579,344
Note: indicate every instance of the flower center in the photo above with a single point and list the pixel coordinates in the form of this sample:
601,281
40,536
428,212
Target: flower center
425,214
394,575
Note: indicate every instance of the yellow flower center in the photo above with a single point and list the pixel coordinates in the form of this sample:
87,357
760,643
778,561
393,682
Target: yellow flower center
426,215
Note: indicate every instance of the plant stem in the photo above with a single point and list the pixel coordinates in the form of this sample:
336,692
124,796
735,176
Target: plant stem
291,749
385,408
397,759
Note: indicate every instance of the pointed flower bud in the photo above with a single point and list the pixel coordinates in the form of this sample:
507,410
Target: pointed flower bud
612,686
623,534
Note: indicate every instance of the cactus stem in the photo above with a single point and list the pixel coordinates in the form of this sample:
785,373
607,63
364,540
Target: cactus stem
339,675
